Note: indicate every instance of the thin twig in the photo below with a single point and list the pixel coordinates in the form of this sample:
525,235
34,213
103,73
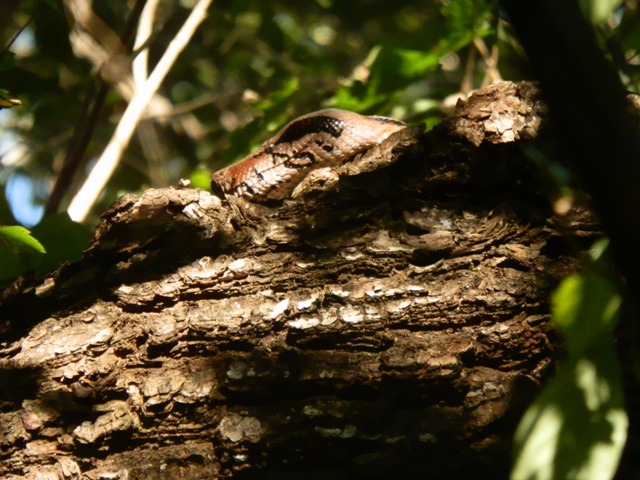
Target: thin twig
143,34
15,37
86,124
490,60
147,131
108,161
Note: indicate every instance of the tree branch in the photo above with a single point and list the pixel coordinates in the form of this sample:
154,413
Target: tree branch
108,161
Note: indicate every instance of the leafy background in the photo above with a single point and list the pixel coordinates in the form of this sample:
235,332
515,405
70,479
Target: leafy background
251,67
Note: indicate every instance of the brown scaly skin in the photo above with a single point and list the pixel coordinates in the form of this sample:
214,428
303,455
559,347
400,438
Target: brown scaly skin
326,138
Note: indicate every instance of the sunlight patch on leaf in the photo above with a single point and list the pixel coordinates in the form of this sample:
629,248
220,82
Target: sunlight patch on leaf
577,427
20,237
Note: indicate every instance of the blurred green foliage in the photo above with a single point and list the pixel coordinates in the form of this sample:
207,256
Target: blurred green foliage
56,239
578,426
251,67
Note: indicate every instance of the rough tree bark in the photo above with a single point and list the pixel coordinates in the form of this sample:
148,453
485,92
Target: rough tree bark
394,321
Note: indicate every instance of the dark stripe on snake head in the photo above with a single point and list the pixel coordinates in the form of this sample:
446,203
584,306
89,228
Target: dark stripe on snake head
311,125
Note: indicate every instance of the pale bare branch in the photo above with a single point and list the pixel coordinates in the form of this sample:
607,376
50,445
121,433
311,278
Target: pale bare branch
143,33
108,161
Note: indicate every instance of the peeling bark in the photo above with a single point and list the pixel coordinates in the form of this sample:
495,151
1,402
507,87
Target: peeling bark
393,317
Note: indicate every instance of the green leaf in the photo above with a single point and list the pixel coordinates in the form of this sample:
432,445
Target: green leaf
64,239
391,71
599,11
577,427
20,237
467,18
584,307
18,250
59,240
396,68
